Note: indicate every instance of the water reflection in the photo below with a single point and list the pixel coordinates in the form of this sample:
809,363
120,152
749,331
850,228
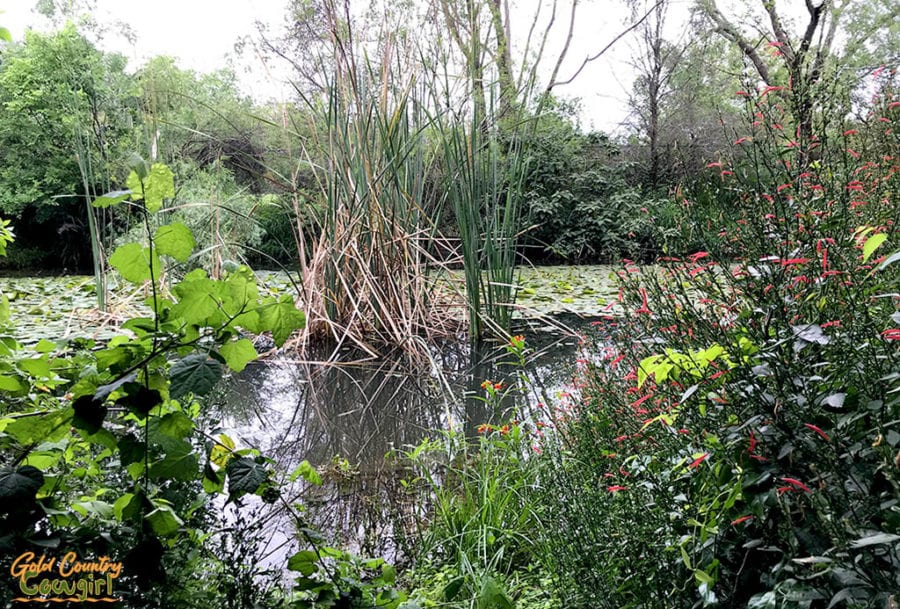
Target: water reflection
345,419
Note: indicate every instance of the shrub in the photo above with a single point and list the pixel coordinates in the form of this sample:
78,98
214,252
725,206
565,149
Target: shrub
738,444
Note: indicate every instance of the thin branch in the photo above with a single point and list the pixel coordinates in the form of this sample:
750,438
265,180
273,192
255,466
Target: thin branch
600,53
565,50
729,31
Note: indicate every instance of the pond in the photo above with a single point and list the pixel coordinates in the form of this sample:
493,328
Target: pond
348,419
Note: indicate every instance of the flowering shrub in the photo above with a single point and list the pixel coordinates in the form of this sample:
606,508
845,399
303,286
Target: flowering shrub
740,444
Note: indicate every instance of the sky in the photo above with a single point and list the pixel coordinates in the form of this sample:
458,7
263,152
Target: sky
201,35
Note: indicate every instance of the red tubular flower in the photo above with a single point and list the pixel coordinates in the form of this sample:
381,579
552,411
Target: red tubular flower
738,521
797,483
818,430
891,334
699,460
615,488
792,261
644,309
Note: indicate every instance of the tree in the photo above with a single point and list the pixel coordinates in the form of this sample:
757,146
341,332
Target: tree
67,120
794,65
655,64
201,119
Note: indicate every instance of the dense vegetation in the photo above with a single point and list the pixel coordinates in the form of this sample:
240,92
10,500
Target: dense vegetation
732,434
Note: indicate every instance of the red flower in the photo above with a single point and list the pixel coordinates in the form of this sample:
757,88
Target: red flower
797,483
615,488
483,428
891,334
699,460
791,261
643,309
738,521
818,430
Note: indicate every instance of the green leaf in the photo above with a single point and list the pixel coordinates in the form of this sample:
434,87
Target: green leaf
453,587
121,507
38,367
238,354
111,198
196,373
138,399
213,481
135,186
176,425
11,384
45,346
164,521
89,414
307,472
174,240
245,476
131,450
158,185
493,596
134,262
4,302
303,562
5,35
180,463
49,427
19,485
281,318
872,244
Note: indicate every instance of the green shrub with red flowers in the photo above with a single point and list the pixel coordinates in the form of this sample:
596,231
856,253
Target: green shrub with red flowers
738,442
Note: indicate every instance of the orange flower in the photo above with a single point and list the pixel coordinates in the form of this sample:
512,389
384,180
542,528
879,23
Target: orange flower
483,428
487,385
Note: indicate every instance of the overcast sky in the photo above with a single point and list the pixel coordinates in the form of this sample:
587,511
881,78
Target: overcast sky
201,34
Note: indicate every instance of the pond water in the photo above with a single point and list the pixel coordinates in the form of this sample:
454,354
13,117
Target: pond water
347,420
344,418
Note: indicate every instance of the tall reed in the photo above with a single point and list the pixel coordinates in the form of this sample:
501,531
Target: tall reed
365,280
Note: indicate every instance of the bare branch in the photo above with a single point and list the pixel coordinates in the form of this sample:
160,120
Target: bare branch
565,49
730,32
778,29
600,53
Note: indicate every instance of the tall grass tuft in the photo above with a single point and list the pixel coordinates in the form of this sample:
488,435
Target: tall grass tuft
365,280
483,183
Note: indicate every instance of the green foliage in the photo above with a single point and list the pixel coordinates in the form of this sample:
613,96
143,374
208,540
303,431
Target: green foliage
98,438
577,196
483,536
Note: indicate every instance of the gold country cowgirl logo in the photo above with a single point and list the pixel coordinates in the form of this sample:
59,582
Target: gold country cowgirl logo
48,579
